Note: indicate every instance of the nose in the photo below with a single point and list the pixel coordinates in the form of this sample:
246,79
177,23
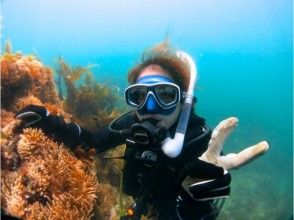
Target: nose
151,105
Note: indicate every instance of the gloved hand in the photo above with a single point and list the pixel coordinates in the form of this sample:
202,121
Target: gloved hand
32,114
211,189
38,116
211,162
232,160
205,181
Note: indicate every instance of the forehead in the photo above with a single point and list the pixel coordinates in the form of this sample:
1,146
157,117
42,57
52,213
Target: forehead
150,79
153,70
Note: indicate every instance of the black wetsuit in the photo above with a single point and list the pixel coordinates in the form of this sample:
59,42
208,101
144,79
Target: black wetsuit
159,180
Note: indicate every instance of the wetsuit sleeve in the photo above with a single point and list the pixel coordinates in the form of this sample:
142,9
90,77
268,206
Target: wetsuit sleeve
72,135
102,140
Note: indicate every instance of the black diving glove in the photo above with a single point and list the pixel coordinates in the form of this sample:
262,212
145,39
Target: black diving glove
204,181
38,117
211,189
32,114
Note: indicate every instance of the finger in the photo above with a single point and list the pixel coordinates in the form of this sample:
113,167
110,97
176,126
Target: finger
32,109
31,114
211,195
198,171
203,170
218,136
234,161
220,133
28,114
211,185
29,118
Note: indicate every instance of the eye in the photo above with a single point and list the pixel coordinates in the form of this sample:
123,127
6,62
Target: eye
167,93
137,95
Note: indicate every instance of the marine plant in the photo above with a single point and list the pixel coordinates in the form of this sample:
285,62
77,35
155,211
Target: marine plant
91,104
23,76
45,179
42,178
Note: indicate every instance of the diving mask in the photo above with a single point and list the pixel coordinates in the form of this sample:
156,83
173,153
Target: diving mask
158,88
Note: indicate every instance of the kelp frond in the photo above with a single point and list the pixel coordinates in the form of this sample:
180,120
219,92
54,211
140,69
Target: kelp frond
88,99
71,73
41,178
8,47
77,72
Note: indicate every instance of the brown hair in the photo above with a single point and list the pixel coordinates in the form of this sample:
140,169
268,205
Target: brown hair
164,56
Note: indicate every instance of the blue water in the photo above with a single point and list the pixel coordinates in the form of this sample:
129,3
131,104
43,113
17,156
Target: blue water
245,61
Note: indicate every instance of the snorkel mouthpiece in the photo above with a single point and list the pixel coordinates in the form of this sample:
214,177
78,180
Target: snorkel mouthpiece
173,147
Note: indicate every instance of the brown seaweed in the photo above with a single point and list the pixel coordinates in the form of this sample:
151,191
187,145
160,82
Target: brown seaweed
88,100
50,177
22,76
40,178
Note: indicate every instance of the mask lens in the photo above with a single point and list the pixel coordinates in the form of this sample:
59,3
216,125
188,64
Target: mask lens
167,94
137,94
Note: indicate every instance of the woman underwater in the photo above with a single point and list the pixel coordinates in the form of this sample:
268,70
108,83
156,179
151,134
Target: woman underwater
174,168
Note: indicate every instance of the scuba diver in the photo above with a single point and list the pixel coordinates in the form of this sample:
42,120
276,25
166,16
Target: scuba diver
164,139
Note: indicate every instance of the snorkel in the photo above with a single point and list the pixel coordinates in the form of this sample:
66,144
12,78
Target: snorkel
173,147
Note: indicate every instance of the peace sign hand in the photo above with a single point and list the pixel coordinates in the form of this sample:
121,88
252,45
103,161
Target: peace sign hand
232,160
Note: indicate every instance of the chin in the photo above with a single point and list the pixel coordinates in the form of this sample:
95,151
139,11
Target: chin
163,124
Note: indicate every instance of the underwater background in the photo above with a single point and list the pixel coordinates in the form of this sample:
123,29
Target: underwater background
244,56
